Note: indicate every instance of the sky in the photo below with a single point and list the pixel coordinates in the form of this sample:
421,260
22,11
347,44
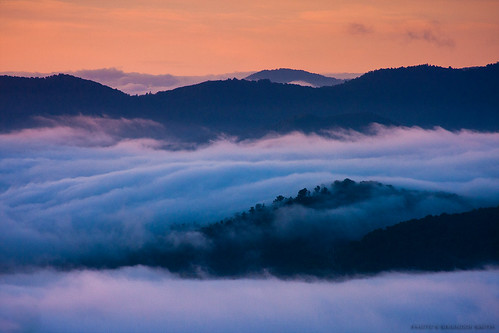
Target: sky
193,37
94,186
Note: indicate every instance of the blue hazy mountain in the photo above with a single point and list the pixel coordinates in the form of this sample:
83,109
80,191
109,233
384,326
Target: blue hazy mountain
423,96
294,76
295,236
435,243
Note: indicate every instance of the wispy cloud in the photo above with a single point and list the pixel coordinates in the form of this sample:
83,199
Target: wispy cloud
359,29
431,36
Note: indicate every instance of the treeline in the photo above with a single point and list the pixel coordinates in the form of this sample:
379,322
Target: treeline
257,241
422,96
434,243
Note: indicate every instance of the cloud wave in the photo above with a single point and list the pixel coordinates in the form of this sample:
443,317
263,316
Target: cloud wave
86,189
140,299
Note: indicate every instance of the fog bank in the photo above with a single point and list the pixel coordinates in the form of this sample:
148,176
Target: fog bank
80,187
139,299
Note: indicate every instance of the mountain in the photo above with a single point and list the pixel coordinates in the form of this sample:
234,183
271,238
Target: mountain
293,76
22,98
423,96
251,243
427,96
310,233
139,83
319,233
434,243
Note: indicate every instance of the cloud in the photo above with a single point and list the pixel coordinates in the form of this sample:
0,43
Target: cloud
431,36
140,299
359,29
75,130
83,189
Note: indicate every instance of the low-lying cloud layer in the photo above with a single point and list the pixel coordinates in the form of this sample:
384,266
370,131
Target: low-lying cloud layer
139,299
74,189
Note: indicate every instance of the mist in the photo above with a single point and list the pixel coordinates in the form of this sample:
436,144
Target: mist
82,187
139,299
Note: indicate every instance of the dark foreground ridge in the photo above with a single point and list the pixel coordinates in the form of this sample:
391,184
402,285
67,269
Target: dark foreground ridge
434,243
425,96
258,240
335,231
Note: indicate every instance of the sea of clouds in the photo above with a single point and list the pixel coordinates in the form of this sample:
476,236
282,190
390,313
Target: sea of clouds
140,299
100,185
86,187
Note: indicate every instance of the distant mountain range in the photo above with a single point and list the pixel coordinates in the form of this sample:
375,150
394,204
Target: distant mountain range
293,76
138,83
423,96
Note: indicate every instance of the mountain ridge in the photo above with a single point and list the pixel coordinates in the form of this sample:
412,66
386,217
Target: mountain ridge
313,235
293,76
424,96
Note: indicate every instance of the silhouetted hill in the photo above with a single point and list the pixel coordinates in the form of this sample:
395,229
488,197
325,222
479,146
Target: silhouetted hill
247,108
259,241
286,75
329,231
427,96
22,98
296,235
434,243
424,96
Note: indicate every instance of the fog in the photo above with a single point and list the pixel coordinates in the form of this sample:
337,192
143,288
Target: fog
82,186
139,299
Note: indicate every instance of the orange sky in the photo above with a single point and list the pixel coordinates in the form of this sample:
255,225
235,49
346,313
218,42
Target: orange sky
197,37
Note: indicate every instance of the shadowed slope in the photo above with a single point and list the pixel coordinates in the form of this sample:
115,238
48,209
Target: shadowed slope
286,75
424,96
